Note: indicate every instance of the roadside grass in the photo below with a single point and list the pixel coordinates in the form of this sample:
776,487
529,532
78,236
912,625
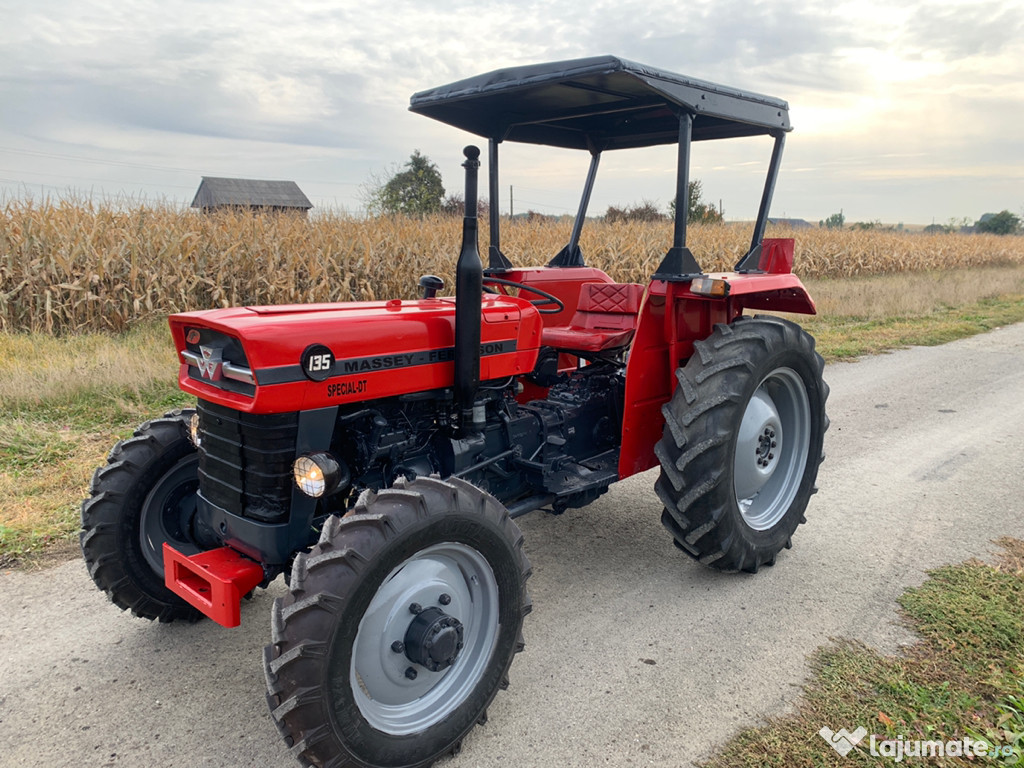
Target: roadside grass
65,399
964,678
869,315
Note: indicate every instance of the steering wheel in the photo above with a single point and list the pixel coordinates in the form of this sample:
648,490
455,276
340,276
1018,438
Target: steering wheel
553,304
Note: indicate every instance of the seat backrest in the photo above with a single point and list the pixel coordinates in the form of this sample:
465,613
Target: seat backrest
619,298
608,305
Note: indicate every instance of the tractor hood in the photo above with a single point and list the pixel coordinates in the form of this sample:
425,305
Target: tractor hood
277,359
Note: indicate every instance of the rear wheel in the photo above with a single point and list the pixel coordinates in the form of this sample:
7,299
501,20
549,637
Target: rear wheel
399,627
144,496
742,443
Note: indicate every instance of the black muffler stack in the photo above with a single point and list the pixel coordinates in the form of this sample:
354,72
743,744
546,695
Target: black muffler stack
469,274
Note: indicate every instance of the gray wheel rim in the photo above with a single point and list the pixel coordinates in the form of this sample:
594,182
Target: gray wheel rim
389,700
771,448
167,513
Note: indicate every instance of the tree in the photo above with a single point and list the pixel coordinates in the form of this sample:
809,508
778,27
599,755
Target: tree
697,210
454,205
865,226
1002,223
835,221
415,190
644,211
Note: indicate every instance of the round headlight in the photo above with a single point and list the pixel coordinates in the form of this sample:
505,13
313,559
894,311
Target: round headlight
316,474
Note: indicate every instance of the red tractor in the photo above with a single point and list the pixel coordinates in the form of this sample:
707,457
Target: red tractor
376,453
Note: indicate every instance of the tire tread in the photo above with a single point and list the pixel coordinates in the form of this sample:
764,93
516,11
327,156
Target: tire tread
102,513
320,584
694,448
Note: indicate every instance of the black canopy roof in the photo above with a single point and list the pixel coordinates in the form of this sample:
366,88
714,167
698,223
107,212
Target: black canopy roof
598,103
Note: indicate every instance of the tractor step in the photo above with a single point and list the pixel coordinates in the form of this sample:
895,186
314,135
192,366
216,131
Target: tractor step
574,477
214,582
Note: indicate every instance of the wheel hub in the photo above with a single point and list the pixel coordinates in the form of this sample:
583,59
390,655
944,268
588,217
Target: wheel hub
434,639
772,446
766,445
167,514
757,449
399,683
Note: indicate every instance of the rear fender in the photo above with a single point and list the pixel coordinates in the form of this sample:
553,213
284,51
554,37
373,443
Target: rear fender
772,286
766,291
671,320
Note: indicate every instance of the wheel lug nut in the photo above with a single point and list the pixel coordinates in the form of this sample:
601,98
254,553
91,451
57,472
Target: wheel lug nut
444,599
774,444
410,673
770,456
398,646
415,608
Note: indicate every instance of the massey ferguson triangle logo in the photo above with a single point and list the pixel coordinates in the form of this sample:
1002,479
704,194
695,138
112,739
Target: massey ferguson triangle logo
211,363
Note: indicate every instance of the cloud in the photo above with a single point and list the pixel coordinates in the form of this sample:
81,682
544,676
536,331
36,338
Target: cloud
319,91
955,32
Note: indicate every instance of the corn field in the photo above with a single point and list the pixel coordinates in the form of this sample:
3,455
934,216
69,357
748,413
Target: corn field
69,266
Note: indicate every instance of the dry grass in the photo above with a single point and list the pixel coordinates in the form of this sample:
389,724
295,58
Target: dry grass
911,294
64,401
77,265
37,369
44,477
866,315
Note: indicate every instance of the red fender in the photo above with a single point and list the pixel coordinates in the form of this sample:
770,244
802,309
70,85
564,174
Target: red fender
672,318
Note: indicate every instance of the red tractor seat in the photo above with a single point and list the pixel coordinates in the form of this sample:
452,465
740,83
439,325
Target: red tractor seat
605,319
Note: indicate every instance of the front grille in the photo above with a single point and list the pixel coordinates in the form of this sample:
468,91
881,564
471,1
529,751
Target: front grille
245,461
233,375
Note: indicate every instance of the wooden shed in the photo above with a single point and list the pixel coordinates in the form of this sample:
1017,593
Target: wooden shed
255,194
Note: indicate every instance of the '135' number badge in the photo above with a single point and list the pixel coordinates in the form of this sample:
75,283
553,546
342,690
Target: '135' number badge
317,362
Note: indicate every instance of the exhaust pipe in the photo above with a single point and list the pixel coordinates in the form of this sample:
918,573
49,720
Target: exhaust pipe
469,273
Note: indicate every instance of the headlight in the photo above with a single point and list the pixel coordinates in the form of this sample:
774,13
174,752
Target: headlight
316,474
193,430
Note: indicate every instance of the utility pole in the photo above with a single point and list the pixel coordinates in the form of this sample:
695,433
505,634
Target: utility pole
511,213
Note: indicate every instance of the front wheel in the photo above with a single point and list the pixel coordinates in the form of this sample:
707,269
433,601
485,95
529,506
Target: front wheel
399,627
742,443
144,496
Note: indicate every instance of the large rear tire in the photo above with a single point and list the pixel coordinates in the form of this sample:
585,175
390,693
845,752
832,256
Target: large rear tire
144,496
399,627
742,443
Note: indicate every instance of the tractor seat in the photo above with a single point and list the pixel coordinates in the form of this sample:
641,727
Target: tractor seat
605,319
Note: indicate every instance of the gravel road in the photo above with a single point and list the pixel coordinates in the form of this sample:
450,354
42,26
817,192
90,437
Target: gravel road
635,654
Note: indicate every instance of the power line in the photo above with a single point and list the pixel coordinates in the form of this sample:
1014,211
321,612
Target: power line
89,178
146,166
563,209
122,164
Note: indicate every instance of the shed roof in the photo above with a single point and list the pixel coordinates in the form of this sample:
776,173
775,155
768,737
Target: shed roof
602,102
214,192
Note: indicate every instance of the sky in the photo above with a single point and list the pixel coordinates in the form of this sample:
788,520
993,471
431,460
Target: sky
903,111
